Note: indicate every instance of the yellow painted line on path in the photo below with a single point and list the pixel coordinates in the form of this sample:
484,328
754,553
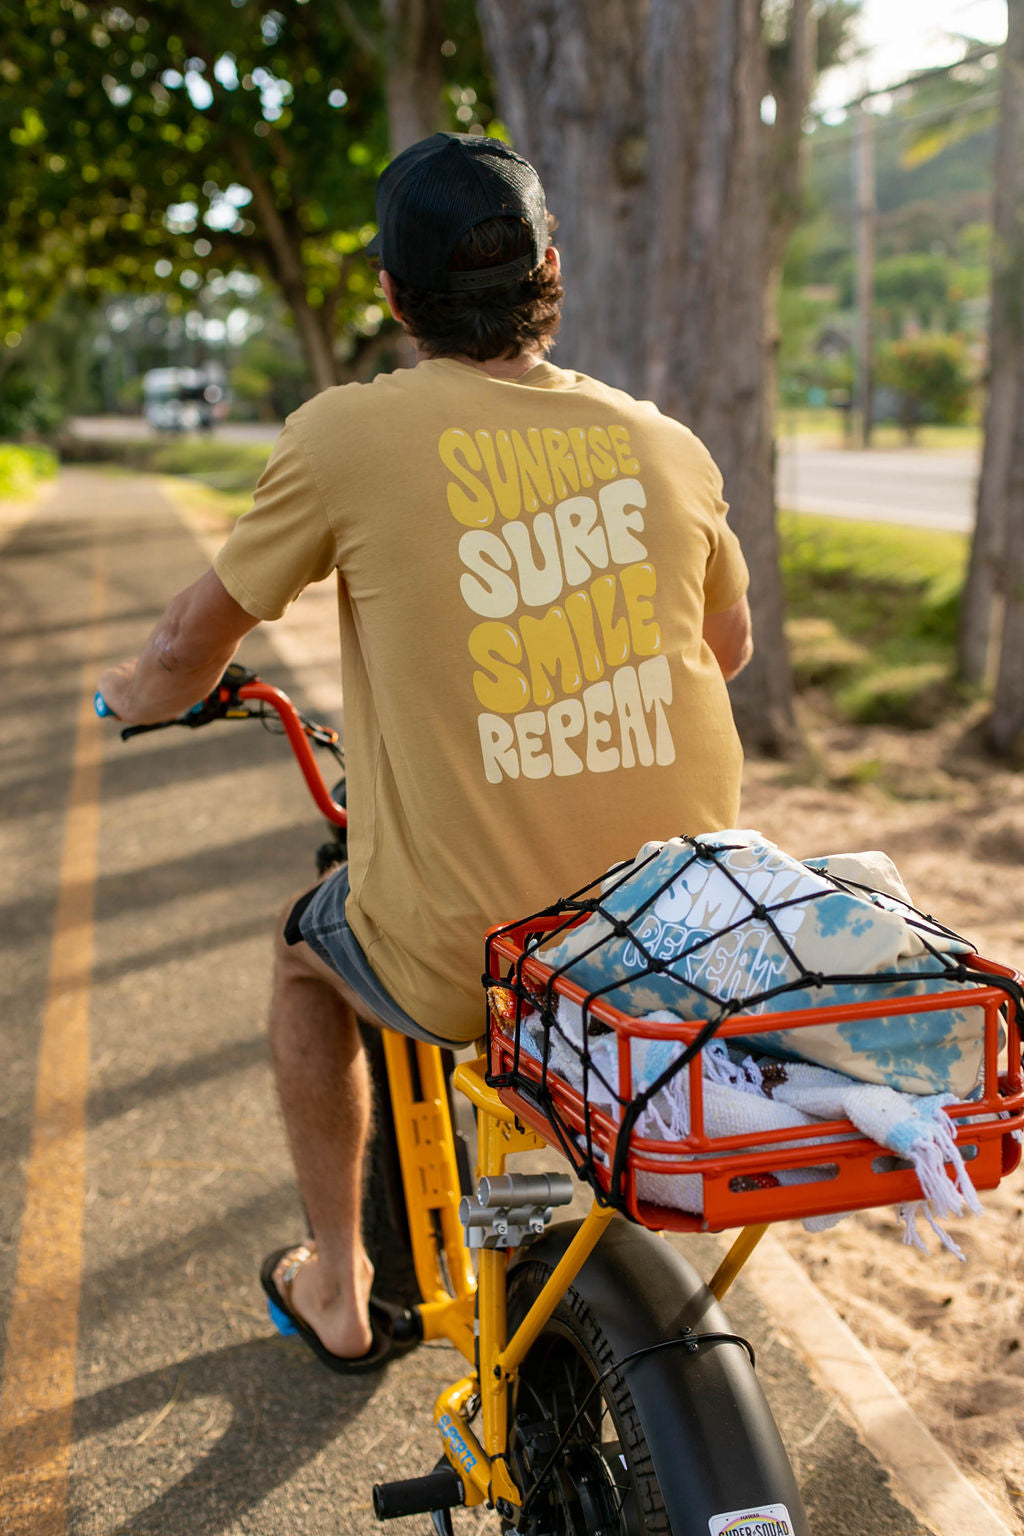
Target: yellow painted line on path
42,1332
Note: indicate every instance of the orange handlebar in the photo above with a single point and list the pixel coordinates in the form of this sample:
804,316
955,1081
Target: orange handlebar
280,702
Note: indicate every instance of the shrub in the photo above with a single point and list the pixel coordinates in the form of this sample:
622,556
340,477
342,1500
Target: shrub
929,373
21,467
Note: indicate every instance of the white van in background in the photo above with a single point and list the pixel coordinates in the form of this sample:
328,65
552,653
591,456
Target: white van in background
184,399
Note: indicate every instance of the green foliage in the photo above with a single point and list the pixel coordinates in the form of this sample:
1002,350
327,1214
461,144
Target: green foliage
930,374
872,616
270,379
914,697
226,466
53,371
21,468
915,286
28,409
155,142
923,206
834,20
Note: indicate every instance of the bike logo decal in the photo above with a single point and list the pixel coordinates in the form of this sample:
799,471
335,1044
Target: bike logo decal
764,1520
460,1450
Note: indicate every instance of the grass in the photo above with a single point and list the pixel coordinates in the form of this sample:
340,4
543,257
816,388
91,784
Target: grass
224,466
872,613
22,467
826,427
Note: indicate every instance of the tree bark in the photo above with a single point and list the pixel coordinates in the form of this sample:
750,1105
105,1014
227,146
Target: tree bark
282,244
979,640
570,81
1006,726
708,354
1003,465
644,120
415,31
788,150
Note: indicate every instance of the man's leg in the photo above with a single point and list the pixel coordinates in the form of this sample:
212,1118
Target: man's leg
324,1090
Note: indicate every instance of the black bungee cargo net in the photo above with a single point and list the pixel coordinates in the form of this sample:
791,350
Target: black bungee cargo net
515,997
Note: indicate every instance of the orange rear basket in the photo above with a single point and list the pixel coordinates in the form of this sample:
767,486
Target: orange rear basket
738,1173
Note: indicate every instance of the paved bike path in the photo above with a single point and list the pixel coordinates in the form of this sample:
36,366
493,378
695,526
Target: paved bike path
144,1168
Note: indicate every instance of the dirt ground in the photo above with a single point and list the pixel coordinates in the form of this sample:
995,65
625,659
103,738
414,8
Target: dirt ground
950,1335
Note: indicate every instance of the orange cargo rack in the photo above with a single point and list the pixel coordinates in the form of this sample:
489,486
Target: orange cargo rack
738,1188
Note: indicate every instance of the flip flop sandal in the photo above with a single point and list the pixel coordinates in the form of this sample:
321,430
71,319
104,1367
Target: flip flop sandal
287,1321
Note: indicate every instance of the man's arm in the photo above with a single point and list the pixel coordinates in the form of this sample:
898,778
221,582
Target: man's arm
729,635
184,657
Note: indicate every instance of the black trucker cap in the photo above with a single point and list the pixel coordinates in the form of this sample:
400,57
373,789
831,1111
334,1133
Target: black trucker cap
436,190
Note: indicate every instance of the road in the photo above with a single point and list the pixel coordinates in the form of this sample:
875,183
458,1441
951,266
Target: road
897,485
144,1171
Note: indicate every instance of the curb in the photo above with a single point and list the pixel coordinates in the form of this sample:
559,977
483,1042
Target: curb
924,1476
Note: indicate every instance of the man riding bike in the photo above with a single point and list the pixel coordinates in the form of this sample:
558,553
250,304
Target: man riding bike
540,603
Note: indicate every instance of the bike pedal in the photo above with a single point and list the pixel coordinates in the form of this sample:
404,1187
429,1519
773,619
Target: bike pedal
440,1490
405,1323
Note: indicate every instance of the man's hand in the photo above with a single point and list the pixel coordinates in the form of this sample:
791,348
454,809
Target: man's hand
729,635
183,659
115,687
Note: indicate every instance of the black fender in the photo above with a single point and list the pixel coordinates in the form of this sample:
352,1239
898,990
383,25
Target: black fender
712,1438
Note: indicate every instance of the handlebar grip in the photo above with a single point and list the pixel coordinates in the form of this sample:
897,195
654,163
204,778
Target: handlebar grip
102,708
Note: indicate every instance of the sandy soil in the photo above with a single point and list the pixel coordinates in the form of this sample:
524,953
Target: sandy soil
950,1335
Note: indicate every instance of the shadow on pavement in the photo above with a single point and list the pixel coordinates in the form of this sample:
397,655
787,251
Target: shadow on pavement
279,1414
237,1056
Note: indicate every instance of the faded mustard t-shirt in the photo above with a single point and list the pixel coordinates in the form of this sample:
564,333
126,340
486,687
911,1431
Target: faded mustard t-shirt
524,568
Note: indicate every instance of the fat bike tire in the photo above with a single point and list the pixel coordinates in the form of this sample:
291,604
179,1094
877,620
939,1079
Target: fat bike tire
604,1478
683,1419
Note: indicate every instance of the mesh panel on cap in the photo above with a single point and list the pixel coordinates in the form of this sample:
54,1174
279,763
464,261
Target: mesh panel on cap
433,193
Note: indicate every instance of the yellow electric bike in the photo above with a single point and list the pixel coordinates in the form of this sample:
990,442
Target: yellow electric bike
604,1391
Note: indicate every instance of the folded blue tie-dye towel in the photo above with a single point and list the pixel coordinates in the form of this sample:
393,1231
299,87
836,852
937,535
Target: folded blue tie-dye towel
727,922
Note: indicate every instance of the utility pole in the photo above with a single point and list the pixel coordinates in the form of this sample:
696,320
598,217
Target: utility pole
864,183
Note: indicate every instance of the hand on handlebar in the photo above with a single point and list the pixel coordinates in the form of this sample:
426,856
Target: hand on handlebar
113,691
240,695
220,703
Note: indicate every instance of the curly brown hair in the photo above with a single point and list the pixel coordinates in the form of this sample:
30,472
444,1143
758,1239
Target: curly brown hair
490,323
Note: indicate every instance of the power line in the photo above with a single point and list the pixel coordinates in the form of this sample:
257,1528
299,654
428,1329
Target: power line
972,56
888,125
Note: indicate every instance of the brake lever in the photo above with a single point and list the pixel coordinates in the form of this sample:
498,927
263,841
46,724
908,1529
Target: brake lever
128,731
222,702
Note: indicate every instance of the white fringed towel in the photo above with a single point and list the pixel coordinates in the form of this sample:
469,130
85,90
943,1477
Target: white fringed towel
745,1095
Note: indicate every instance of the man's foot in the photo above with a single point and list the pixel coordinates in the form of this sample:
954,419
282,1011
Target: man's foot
332,1325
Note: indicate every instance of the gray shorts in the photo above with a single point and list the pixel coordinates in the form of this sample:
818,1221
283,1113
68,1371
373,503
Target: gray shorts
318,919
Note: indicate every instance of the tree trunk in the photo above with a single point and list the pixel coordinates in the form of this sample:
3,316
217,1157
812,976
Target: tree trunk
1005,418
1006,726
570,80
282,243
643,118
1003,445
414,81
788,150
708,355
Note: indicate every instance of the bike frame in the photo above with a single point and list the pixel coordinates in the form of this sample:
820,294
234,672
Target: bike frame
464,1306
